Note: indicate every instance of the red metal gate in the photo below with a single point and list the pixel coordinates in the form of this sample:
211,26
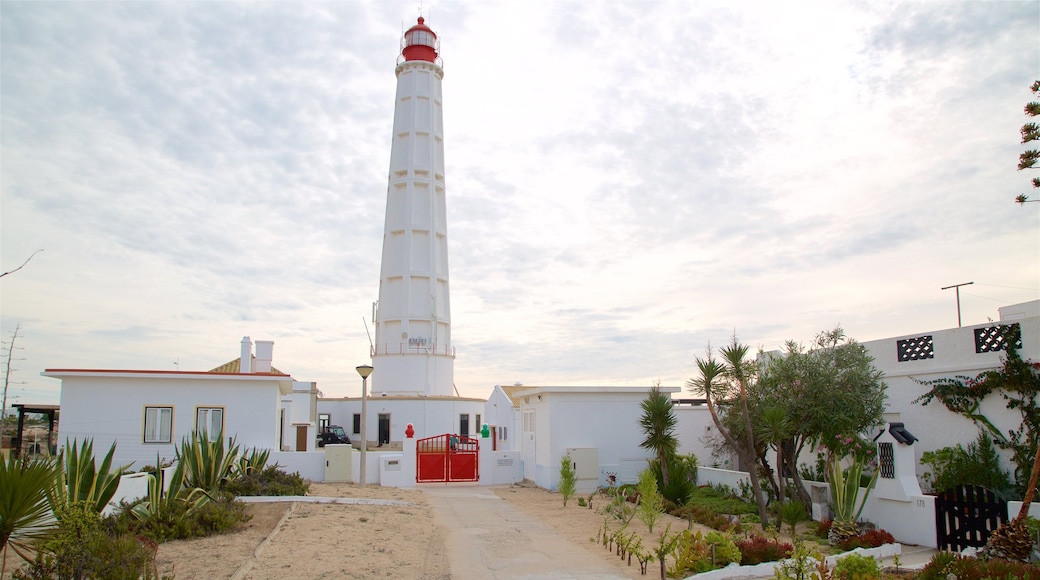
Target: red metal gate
446,458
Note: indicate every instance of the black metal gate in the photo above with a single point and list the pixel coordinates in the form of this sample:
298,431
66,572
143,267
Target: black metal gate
966,515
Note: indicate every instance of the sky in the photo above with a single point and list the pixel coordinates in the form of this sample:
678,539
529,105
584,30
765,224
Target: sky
628,182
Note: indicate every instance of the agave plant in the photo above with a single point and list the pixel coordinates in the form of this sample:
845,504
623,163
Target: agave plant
160,501
25,514
255,462
207,463
81,480
845,500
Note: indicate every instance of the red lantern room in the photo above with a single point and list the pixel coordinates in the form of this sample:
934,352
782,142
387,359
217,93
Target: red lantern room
420,43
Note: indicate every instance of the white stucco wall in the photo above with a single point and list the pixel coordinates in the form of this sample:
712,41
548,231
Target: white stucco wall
954,354
603,418
429,416
111,407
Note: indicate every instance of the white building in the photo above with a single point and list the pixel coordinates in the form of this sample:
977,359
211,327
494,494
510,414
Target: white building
147,412
965,351
597,426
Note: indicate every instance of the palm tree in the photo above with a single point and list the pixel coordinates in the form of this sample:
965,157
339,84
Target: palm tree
775,427
25,513
658,423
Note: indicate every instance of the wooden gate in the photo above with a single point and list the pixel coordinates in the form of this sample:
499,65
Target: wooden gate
446,458
966,515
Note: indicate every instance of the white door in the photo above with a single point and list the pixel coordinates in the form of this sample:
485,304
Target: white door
528,443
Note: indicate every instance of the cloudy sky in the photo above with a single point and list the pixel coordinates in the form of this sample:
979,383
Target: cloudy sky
627,181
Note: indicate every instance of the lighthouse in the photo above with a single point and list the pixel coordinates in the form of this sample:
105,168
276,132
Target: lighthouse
413,354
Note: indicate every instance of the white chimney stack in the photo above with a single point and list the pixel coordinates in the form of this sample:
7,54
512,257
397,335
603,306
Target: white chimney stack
264,354
246,364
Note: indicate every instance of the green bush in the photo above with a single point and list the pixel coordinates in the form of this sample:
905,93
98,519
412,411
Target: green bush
979,464
178,520
568,479
81,548
271,480
857,566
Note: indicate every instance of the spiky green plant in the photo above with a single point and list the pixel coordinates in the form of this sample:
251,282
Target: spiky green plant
845,500
253,463
25,514
207,463
651,502
160,500
81,480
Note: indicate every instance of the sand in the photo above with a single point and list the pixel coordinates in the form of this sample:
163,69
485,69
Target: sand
289,540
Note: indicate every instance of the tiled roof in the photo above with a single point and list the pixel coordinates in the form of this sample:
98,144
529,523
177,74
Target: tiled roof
235,366
511,391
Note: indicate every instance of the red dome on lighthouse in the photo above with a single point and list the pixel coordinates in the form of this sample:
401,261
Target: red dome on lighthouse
420,43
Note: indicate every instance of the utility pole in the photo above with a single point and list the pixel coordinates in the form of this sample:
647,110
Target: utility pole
958,290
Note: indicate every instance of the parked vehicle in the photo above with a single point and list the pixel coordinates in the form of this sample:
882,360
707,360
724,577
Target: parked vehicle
332,434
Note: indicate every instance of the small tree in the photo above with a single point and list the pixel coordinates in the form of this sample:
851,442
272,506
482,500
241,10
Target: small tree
727,383
651,502
568,480
658,423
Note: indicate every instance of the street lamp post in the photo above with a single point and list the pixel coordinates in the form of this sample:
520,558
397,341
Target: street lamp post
364,371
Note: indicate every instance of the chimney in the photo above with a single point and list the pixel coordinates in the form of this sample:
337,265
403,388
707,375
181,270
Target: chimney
264,352
246,364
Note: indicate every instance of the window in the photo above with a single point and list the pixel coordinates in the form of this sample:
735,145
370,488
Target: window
357,423
324,420
209,420
158,424
479,425
464,425
887,460
503,433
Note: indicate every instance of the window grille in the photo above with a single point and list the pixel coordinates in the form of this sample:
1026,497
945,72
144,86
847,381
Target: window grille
886,460
918,348
994,339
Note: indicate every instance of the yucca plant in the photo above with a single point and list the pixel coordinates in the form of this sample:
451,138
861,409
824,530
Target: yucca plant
81,480
207,463
25,514
845,500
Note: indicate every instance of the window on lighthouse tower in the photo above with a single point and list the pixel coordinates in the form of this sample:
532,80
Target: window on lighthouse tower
420,37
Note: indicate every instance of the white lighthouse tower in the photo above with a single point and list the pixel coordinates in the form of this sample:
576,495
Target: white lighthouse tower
413,354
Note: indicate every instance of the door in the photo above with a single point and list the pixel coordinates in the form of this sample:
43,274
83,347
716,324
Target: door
529,446
301,438
384,428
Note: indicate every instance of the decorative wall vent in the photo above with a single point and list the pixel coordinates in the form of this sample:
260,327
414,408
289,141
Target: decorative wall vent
915,348
993,339
887,460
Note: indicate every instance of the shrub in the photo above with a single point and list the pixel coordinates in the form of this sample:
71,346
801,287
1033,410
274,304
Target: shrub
651,502
979,464
868,539
726,550
81,548
945,564
568,479
758,549
857,566
178,520
271,480
823,529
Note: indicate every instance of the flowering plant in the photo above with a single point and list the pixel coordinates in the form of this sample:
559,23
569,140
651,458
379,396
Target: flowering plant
852,446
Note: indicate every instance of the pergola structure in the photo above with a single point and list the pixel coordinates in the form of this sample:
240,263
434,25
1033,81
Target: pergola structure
50,410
